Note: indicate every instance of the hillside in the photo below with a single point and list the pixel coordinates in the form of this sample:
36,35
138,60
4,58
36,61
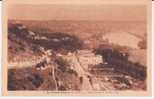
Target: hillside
53,57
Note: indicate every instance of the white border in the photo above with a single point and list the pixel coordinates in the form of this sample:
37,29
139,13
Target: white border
76,97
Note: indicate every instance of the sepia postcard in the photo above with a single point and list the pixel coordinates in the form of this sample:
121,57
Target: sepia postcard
77,47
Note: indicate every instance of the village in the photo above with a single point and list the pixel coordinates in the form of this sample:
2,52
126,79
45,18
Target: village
63,62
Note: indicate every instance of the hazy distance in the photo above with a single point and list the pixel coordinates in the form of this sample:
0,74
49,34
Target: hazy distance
105,12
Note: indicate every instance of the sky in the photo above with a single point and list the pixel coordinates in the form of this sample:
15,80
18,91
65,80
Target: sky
122,10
